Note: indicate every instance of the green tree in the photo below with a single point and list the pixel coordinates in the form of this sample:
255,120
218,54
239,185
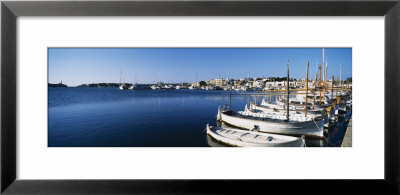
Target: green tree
202,83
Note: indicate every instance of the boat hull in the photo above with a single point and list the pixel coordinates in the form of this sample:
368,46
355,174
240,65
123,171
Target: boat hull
243,138
313,128
123,87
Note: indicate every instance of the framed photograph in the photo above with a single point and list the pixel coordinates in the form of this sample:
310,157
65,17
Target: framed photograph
199,96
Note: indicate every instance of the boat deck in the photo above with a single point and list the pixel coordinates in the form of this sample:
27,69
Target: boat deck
248,136
271,116
245,138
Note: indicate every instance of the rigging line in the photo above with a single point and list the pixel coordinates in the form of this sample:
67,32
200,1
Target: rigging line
318,128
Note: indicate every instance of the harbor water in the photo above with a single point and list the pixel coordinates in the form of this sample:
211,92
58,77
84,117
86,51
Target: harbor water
109,117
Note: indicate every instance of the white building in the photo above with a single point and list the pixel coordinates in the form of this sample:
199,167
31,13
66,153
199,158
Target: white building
259,84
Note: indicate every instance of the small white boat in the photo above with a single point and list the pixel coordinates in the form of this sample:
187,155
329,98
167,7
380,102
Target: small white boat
136,86
123,87
243,138
168,87
154,87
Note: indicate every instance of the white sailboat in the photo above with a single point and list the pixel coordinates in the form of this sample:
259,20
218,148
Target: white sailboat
274,123
195,86
158,84
154,87
122,86
136,86
181,86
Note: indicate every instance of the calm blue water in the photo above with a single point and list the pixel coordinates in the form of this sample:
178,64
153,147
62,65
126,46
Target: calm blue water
109,117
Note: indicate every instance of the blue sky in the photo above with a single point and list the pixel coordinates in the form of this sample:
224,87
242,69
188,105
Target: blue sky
75,66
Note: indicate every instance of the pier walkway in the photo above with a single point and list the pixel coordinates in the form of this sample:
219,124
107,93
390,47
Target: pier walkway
347,140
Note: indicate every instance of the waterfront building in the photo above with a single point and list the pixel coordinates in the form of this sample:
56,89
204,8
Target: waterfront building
216,82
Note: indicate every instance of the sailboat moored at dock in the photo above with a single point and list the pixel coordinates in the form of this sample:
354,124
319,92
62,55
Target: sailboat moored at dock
274,123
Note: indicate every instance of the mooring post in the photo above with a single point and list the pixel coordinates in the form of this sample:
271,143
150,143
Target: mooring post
230,103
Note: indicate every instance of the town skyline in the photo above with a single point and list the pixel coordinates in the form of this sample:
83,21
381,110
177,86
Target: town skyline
76,66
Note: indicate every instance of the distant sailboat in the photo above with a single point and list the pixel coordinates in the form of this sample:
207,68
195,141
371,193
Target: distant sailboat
196,86
136,86
154,87
158,85
122,86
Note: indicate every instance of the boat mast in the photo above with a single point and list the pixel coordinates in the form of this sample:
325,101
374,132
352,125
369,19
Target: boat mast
333,80
337,86
136,76
320,80
305,106
340,75
323,62
326,76
120,77
315,88
287,79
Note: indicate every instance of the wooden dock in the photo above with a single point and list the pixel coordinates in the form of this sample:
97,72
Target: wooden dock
347,140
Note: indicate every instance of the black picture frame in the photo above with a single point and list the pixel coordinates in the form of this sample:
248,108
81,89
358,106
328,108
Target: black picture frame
10,10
